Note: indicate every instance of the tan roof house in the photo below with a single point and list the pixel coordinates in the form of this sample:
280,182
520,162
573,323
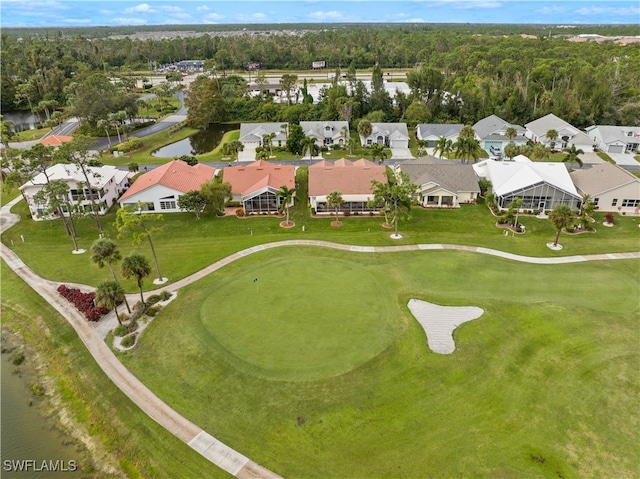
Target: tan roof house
255,185
611,188
442,184
351,178
159,189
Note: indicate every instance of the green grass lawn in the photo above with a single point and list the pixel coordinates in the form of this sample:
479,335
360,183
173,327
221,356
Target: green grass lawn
188,245
544,384
125,436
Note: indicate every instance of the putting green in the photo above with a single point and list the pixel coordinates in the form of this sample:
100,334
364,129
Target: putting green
299,320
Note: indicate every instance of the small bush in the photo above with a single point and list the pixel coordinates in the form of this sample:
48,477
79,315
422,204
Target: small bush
609,218
129,341
240,212
153,299
84,302
120,331
152,310
138,311
18,359
165,295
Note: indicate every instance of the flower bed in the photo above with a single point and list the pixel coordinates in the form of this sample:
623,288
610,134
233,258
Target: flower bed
84,302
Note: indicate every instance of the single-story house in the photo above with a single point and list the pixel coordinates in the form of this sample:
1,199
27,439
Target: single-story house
351,178
393,135
255,185
615,139
107,183
432,132
158,190
541,185
611,188
442,184
252,135
490,132
326,133
567,135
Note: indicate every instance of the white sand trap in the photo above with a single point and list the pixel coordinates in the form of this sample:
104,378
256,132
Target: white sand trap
440,321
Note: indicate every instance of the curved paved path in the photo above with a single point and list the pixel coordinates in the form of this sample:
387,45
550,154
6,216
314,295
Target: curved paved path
217,452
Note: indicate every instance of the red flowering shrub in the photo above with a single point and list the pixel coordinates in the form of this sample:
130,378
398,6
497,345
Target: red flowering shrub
84,302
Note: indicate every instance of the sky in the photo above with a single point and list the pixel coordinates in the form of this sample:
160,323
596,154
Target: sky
49,13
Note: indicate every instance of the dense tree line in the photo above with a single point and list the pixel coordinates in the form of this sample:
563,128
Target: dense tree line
517,78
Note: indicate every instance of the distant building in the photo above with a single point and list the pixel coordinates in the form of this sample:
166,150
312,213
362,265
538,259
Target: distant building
615,139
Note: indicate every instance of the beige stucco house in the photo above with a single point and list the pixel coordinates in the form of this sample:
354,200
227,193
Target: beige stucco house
611,188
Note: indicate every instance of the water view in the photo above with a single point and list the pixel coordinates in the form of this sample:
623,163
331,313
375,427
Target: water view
202,142
31,445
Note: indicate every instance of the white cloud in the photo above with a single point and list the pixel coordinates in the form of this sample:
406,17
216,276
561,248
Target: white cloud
106,12
414,20
213,17
169,8
631,11
129,21
320,15
141,8
253,17
552,10
203,8
479,4
78,21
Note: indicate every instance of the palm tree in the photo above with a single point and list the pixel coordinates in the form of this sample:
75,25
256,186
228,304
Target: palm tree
136,266
110,294
540,152
560,217
511,133
335,199
262,155
286,197
511,150
443,146
586,206
467,148
378,152
344,134
105,252
308,144
267,139
515,205
572,155
104,124
552,136
364,129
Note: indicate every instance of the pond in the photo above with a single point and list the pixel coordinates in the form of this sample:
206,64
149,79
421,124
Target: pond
202,142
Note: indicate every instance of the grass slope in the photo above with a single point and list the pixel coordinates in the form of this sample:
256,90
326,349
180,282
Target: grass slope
544,384
140,447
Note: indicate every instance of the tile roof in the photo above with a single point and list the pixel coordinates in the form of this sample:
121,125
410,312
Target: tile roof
347,177
454,177
601,178
246,179
176,175
438,129
55,140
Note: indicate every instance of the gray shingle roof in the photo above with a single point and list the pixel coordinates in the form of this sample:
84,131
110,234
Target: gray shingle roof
438,129
453,177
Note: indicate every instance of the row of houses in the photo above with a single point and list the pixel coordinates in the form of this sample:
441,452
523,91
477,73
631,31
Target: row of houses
441,184
491,133
326,133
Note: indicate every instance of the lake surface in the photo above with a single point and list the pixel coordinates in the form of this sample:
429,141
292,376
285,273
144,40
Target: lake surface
28,437
202,142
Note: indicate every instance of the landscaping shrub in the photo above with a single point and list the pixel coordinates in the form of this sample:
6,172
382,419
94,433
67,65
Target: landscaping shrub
84,302
609,217
153,299
120,331
152,310
240,212
138,311
164,295
128,341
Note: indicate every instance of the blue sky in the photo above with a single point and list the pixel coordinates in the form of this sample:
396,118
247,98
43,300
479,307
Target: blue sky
41,13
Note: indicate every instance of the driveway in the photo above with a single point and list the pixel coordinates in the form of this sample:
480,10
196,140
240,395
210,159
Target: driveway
401,154
591,158
624,159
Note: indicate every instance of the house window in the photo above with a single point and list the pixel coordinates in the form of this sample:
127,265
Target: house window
167,205
631,203
595,201
614,202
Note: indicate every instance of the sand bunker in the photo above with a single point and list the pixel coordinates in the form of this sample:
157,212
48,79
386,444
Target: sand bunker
440,321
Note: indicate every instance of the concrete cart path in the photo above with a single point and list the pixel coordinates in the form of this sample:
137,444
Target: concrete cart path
217,452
